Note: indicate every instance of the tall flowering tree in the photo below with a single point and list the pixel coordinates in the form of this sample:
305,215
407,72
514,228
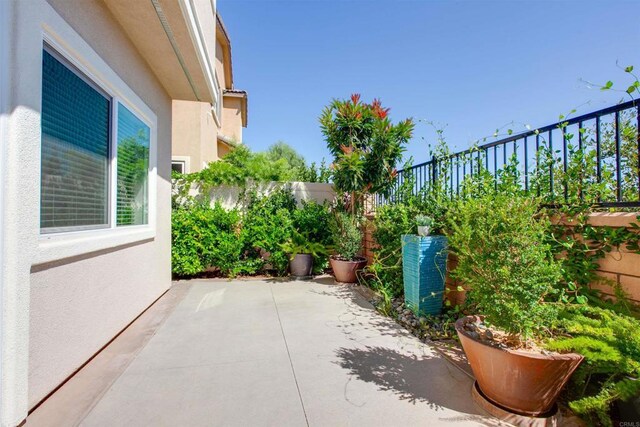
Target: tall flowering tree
365,144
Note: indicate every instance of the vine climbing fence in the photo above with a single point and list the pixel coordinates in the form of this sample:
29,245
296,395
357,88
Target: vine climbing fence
594,157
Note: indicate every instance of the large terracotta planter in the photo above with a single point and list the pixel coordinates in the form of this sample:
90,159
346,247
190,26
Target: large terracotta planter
523,382
301,265
345,271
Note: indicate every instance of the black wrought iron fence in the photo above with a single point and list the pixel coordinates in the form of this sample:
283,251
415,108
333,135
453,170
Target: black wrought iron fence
593,157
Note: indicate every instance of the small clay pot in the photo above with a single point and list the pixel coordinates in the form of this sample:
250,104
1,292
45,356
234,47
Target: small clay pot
345,271
301,265
524,382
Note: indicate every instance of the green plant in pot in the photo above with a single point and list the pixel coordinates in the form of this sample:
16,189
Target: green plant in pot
347,238
424,224
498,239
301,252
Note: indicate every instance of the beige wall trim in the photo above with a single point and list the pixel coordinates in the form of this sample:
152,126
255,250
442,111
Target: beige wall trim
602,219
167,29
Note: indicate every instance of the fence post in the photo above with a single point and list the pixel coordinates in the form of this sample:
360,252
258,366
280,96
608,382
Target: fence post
434,164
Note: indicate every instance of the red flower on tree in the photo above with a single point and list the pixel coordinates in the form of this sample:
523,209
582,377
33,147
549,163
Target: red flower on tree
376,106
346,150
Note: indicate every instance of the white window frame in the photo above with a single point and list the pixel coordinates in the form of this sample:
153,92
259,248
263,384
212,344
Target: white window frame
185,160
53,246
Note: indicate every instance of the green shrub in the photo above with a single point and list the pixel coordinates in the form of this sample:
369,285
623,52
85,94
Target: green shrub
245,243
610,343
280,163
502,257
314,220
268,223
390,222
203,237
300,243
347,236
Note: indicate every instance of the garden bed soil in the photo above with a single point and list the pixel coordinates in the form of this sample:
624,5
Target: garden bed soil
497,338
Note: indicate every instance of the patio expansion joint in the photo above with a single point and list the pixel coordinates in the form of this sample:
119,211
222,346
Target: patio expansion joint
286,345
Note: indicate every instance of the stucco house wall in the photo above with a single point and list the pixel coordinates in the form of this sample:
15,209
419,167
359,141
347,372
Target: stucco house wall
200,134
232,118
194,133
63,299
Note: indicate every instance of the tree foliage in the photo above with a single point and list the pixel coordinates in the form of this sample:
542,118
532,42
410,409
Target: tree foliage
365,144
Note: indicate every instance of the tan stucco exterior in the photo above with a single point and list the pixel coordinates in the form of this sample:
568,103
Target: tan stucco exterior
63,297
194,133
200,134
232,117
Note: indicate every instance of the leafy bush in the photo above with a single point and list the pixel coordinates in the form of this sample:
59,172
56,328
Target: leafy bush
247,242
202,237
347,236
610,343
315,173
300,243
314,220
280,163
502,258
268,222
390,222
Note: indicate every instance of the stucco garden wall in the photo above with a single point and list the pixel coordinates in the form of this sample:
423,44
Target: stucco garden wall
228,196
621,266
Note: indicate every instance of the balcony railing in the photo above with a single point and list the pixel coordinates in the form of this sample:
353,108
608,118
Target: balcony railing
595,156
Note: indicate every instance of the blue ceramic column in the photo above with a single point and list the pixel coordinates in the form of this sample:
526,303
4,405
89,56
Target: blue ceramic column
424,267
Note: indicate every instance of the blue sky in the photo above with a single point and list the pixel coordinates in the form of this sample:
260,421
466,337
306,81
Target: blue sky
472,66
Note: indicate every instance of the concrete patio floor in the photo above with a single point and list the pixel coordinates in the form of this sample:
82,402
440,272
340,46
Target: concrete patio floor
264,353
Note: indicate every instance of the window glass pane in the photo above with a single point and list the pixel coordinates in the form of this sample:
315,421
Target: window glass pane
133,169
75,150
177,167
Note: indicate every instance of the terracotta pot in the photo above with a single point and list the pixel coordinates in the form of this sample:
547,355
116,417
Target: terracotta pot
523,382
345,271
301,265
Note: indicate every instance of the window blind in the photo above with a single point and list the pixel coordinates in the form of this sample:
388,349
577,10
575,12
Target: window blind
133,169
74,150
